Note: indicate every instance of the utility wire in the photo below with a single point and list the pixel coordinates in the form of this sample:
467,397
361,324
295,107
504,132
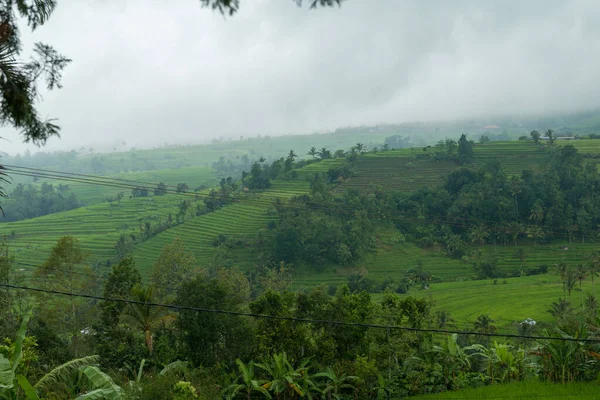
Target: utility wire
303,320
337,208
122,183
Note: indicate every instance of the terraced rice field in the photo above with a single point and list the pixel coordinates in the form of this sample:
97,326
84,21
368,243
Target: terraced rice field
402,170
394,260
242,220
396,172
97,227
514,156
93,194
508,301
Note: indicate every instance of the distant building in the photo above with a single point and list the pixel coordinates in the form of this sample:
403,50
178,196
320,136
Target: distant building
491,127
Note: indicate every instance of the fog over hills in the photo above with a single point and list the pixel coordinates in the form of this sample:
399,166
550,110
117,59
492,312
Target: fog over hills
149,72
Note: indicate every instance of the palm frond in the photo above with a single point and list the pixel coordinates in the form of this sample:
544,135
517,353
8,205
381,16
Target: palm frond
64,372
174,367
102,387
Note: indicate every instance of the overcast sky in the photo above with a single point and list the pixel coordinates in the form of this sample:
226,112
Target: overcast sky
155,71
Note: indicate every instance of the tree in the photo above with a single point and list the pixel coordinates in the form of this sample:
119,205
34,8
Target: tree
580,273
478,234
123,277
313,152
594,267
465,150
537,212
19,80
210,338
65,270
359,147
324,154
292,155
144,316
232,6
515,188
535,135
485,324
122,247
139,192
174,265
561,309
182,188
161,189
551,137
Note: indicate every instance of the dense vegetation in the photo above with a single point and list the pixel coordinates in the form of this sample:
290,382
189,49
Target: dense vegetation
159,352
30,202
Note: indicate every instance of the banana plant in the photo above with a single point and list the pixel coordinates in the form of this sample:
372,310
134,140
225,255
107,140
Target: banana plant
9,379
248,382
101,384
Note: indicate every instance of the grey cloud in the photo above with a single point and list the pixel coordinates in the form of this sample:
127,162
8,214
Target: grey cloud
150,71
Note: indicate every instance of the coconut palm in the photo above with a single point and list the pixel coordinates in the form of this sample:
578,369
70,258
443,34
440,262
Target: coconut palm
561,271
537,212
580,274
145,316
444,319
594,267
478,234
485,324
335,384
248,384
560,309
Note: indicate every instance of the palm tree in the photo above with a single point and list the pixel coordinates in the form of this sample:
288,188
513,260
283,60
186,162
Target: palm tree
537,212
515,188
145,316
335,384
594,267
148,229
292,155
561,271
478,234
313,152
535,232
248,382
580,274
484,324
359,147
444,319
560,309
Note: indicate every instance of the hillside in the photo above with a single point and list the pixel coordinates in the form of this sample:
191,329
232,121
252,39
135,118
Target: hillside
100,224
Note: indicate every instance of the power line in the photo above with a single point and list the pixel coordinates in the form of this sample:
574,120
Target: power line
339,209
94,179
302,320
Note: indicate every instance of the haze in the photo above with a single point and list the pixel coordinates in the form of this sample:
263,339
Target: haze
148,72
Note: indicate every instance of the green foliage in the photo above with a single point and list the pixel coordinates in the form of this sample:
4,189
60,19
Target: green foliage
63,373
27,201
174,265
213,338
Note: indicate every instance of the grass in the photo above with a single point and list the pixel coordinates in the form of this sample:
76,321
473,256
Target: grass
508,302
523,390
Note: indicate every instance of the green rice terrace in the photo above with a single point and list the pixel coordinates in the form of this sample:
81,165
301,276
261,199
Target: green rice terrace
98,226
